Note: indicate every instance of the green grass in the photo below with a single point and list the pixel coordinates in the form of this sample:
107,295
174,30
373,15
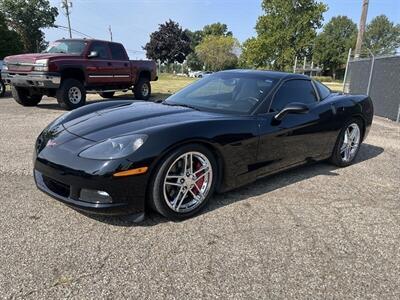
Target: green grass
168,84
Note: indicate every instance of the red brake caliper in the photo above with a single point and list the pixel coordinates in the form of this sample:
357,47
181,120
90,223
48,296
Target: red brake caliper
200,182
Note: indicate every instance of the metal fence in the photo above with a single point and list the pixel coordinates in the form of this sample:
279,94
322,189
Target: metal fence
378,77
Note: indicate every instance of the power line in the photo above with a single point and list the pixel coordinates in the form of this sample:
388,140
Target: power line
70,29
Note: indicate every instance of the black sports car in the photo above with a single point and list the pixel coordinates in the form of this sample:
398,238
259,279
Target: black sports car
219,133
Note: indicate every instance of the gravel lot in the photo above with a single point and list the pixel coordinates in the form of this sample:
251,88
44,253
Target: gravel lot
313,232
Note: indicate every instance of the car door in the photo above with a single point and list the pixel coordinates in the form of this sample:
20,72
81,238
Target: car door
121,65
297,137
100,68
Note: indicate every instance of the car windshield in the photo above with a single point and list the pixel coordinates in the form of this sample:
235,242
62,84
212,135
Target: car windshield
227,92
70,47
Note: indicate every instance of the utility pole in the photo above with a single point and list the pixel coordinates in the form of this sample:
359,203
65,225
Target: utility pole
109,30
66,5
361,29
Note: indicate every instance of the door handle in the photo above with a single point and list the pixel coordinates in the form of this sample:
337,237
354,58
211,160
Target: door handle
109,64
125,64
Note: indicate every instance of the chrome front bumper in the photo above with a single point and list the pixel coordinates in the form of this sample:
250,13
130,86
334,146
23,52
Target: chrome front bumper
34,79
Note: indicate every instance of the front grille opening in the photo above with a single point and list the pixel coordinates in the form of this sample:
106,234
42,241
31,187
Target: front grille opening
57,187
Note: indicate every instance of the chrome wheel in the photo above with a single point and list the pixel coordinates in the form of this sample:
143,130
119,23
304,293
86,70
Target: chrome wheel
145,90
351,142
74,95
187,182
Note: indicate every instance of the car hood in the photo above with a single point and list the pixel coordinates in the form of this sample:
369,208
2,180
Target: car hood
139,117
24,62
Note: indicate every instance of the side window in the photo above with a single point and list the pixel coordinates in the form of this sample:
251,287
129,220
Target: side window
323,90
101,49
293,91
117,52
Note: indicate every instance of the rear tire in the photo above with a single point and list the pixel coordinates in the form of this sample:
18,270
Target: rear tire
107,94
347,146
142,89
2,88
71,94
23,96
163,192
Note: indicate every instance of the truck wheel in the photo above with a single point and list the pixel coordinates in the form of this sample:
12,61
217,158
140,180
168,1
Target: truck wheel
2,88
23,97
107,94
71,94
142,89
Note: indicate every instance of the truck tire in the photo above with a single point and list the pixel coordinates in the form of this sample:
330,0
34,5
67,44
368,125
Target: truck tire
23,97
71,94
107,94
142,89
2,88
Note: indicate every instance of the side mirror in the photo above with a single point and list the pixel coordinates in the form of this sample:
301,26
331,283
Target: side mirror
93,54
292,108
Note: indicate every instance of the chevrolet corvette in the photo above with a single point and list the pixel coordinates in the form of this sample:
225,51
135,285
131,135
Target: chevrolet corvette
221,132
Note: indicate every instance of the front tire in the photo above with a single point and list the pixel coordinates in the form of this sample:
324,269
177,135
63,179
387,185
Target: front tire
142,89
24,97
184,182
71,94
2,88
107,95
347,144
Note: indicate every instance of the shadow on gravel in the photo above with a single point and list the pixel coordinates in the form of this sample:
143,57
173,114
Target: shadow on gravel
260,187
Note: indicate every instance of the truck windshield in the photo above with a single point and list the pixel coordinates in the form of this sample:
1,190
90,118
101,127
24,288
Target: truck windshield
70,47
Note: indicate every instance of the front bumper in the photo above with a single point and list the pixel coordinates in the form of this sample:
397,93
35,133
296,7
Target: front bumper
33,79
126,195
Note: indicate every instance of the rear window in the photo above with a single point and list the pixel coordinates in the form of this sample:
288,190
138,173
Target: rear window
118,52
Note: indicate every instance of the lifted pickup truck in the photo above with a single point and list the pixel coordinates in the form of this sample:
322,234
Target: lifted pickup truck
70,68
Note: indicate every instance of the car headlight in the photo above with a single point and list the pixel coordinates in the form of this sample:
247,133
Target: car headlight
41,65
115,148
4,67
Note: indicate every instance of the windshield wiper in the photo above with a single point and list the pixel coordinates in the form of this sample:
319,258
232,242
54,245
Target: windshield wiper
181,105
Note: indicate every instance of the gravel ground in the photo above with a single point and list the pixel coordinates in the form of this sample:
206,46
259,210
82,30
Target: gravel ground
313,232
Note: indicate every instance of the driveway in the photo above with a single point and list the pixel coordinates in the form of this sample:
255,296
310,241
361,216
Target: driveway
313,232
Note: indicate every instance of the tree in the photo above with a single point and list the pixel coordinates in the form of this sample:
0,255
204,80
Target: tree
169,44
216,29
286,30
196,37
333,43
382,36
27,18
218,52
10,42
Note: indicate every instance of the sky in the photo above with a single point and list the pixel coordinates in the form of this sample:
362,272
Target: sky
132,21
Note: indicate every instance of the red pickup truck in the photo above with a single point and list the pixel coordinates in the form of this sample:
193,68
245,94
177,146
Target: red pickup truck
70,68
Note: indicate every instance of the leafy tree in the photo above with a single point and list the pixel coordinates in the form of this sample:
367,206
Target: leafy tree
27,18
10,42
382,36
169,44
286,30
216,29
333,43
196,37
218,52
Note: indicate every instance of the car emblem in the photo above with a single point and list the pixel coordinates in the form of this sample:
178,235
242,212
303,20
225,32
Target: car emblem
51,143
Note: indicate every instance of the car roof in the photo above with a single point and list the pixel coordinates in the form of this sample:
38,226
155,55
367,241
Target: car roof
270,74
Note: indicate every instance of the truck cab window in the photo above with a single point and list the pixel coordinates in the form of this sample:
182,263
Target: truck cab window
118,52
101,49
